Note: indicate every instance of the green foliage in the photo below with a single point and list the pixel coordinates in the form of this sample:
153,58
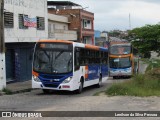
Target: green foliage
7,91
153,64
146,39
140,85
117,89
114,33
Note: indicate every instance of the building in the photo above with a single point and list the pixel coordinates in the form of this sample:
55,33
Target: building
101,39
58,28
80,20
97,34
25,22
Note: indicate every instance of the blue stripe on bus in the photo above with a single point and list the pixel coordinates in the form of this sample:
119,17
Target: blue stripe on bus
103,49
104,70
53,79
95,70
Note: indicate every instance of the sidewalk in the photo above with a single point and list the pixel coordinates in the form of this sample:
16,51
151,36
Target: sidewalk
19,86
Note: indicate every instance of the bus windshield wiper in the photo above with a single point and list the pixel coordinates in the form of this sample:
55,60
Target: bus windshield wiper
60,53
56,57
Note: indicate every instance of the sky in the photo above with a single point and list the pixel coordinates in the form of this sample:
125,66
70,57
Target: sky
114,14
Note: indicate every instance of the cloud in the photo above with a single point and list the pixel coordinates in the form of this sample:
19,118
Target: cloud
141,13
114,14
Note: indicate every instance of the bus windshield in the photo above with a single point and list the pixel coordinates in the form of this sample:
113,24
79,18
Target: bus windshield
54,61
120,62
119,50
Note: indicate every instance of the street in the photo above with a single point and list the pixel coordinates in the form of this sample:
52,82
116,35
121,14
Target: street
67,101
37,100
58,100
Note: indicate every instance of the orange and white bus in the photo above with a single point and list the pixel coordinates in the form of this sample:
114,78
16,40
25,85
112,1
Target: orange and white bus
66,65
122,62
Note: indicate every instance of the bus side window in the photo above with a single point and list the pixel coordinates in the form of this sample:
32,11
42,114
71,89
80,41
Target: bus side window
77,59
82,57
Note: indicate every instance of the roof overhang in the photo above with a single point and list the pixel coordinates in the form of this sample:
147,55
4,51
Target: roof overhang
61,3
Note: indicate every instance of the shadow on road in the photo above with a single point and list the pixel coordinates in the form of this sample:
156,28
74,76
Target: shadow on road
56,92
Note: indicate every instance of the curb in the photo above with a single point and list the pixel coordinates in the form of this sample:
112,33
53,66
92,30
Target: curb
22,91
16,92
2,93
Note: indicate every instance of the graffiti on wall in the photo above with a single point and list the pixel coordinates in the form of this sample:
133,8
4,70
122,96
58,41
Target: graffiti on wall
31,4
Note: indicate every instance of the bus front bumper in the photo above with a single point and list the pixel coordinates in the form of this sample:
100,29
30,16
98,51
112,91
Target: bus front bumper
62,86
120,73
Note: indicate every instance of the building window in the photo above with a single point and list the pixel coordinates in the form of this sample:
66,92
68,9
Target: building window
87,24
8,20
40,23
21,21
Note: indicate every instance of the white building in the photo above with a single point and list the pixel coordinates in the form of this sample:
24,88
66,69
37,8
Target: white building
15,10
58,28
25,22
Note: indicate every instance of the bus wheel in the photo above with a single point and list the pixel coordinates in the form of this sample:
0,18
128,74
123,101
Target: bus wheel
79,91
46,91
100,82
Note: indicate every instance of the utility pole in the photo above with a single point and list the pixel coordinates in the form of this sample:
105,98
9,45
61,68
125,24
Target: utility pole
108,54
2,47
2,26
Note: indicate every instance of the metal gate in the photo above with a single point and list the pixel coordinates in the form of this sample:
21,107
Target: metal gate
19,62
10,67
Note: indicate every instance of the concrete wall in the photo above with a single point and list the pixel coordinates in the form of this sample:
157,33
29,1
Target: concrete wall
32,8
66,35
2,71
58,18
73,16
58,28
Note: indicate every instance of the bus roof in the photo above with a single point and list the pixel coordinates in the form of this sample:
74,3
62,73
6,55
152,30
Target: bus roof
56,41
82,45
118,42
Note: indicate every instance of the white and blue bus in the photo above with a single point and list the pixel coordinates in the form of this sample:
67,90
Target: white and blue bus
66,65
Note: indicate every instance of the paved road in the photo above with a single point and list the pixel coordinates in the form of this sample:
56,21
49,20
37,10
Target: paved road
66,101
36,100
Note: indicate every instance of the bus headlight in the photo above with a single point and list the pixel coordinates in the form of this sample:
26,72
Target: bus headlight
67,80
36,78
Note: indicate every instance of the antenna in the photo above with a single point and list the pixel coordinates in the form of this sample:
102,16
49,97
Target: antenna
129,21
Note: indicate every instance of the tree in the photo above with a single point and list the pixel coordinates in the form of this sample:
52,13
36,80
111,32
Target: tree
146,39
114,33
